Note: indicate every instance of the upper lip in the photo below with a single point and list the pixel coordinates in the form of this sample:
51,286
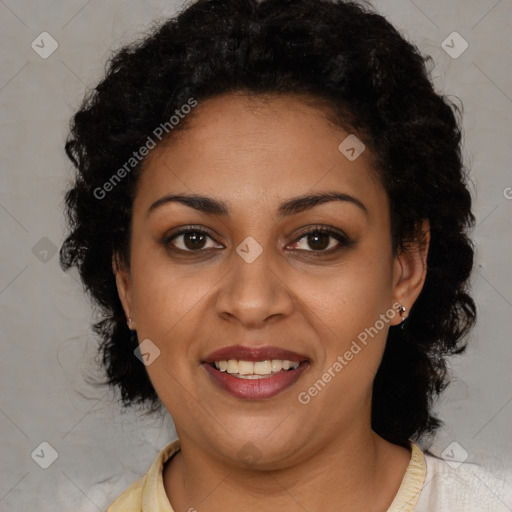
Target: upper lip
244,353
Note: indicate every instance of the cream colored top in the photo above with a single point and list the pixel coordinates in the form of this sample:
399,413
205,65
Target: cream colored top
430,484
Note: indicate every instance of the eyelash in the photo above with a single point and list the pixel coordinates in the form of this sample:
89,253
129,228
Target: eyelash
343,240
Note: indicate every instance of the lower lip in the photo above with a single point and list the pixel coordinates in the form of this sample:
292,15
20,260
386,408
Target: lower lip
255,389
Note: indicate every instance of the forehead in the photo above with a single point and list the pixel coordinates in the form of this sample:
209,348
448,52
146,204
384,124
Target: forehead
252,148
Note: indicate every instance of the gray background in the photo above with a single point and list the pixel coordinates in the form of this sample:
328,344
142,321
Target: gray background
46,344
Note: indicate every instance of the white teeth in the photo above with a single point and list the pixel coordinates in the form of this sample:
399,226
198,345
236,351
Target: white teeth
253,370
245,368
277,365
262,367
232,366
249,376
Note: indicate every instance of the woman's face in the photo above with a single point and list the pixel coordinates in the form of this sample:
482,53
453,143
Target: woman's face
256,279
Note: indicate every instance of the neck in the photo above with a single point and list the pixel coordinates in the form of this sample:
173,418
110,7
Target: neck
355,471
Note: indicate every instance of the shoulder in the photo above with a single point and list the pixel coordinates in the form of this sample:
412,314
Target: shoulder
463,486
149,488
130,499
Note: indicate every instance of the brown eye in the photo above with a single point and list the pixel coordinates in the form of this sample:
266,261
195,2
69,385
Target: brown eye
318,241
194,240
190,240
322,240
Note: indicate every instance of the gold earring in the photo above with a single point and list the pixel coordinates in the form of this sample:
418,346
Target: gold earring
402,310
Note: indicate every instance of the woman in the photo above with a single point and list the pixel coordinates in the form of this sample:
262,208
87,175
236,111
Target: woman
271,209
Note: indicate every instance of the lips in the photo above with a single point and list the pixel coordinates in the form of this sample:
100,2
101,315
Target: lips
255,389
242,353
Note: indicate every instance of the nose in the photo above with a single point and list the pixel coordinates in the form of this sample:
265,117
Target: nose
254,293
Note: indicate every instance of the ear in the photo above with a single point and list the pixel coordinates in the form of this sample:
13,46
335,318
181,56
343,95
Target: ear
124,286
410,271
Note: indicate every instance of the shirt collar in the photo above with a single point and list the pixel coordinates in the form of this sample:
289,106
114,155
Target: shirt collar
154,496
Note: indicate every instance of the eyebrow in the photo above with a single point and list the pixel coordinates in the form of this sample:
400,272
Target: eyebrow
290,207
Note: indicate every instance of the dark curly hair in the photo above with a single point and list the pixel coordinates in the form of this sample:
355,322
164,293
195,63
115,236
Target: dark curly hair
374,83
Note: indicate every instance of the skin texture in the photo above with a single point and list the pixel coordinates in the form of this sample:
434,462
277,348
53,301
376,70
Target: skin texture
253,154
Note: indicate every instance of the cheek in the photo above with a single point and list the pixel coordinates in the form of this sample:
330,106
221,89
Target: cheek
166,294
346,310
167,303
353,295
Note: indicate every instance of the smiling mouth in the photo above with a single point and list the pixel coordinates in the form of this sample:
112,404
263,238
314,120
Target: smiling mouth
255,380
255,369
